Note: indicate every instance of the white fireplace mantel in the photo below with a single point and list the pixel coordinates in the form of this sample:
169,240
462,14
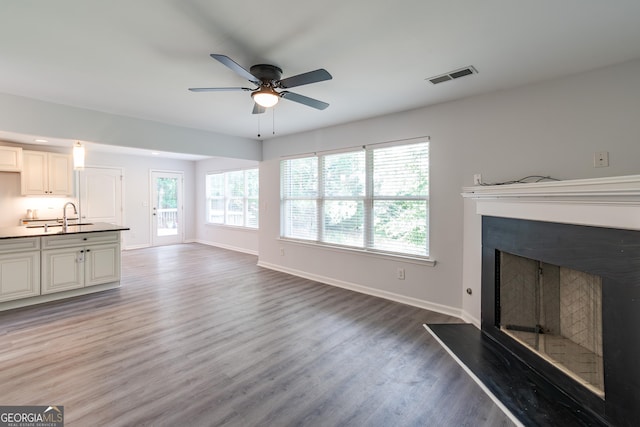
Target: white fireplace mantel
612,202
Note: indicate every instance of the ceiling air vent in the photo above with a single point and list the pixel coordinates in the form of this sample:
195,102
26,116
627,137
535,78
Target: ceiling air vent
451,75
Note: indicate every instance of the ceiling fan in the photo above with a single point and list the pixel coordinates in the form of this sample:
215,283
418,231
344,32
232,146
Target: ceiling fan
267,79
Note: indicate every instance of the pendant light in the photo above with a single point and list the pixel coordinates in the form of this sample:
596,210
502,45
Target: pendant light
78,156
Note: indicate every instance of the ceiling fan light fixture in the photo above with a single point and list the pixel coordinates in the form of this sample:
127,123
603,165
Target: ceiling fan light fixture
265,97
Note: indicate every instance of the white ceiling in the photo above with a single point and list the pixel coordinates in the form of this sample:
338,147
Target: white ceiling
137,58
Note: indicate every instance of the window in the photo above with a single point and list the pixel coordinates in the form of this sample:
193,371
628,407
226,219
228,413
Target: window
232,198
374,198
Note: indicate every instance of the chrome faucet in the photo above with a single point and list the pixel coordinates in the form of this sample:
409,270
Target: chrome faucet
65,220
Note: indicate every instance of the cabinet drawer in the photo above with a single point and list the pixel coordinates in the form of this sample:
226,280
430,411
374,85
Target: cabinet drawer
80,239
19,245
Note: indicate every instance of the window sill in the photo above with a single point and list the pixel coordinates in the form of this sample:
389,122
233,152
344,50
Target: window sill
231,227
425,261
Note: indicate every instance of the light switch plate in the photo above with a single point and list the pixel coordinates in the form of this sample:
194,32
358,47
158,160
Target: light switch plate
601,159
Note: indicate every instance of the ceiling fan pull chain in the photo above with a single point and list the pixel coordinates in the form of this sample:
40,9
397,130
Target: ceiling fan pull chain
273,125
258,126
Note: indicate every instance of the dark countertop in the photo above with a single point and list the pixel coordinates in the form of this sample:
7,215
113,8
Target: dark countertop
24,231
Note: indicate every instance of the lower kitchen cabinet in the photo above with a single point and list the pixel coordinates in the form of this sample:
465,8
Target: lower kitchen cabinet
19,275
102,264
62,270
57,265
76,267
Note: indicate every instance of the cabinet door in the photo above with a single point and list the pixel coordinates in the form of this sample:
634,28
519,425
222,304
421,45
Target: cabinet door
102,264
60,174
10,159
62,270
46,174
34,178
19,275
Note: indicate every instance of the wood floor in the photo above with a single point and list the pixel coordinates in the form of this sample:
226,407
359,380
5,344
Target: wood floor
201,336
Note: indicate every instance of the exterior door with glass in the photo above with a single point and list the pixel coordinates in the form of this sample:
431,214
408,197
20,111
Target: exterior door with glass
166,208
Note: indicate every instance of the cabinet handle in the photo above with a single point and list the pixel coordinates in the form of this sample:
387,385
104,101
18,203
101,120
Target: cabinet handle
88,250
84,238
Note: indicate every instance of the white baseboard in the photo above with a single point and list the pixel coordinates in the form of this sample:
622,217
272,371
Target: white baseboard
229,247
470,319
132,247
415,302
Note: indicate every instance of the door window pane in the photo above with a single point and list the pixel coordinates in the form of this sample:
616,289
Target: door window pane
167,206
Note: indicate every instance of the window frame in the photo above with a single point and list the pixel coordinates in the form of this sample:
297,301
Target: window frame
368,200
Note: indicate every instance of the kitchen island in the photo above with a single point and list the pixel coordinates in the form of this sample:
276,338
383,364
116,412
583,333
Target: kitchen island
46,262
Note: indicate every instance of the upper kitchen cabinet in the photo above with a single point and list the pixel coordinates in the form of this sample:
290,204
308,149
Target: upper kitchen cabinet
46,174
10,159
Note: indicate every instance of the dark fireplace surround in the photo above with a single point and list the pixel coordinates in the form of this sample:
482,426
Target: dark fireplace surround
612,254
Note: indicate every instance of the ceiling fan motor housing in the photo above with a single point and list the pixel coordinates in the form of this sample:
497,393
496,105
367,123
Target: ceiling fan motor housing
266,73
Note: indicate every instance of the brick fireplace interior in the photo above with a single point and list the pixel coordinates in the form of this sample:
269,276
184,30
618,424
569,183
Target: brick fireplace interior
555,312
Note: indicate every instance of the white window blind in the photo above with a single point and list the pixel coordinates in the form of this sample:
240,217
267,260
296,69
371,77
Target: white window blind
375,198
299,206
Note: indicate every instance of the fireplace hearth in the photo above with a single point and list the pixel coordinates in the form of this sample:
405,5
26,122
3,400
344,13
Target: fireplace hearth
565,299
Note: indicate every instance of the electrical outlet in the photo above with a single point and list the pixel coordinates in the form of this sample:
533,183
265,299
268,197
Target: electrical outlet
281,251
601,159
477,179
400,273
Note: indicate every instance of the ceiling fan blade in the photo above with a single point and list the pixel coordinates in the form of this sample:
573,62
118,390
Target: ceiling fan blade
235,67
258,109
305,78
218,89
314,103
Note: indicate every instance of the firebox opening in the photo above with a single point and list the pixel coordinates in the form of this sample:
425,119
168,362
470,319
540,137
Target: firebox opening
556,312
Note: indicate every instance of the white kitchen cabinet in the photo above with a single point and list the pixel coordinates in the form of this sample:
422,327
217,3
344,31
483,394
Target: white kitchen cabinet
62,270
10,159
78,267
101,264
46,174
19,268
81,260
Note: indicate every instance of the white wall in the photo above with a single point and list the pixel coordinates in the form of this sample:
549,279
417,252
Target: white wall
234,238
551,128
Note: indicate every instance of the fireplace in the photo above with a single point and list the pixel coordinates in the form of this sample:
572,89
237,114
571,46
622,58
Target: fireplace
565,299
556,312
